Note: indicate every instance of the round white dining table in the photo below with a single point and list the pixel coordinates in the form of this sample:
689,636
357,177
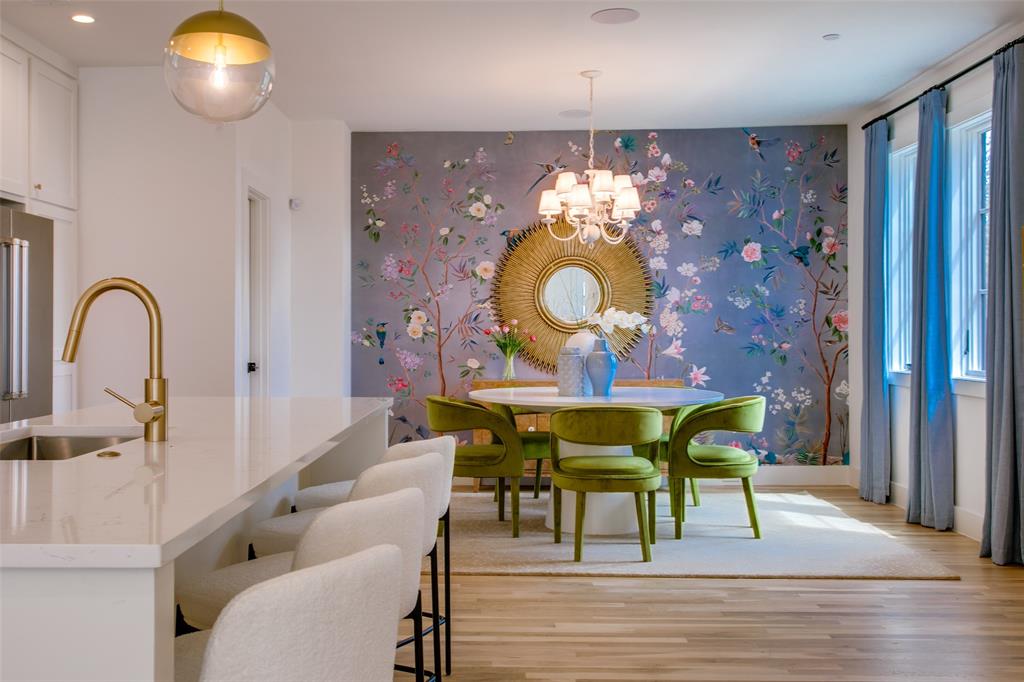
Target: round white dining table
607,513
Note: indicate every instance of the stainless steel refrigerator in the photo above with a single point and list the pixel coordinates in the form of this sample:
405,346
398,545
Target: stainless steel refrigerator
26,315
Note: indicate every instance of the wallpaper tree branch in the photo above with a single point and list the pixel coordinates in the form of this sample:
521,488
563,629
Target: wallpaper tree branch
744,230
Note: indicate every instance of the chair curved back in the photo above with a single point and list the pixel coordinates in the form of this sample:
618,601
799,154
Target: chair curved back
444,446
611,425
447,415
391,519
417,472
739,415
300,626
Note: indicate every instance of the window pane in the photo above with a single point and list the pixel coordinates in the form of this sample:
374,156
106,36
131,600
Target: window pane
983,240
899,255
986,166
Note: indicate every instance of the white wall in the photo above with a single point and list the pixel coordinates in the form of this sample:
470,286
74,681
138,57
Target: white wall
321,256
967,97
263,156
160,203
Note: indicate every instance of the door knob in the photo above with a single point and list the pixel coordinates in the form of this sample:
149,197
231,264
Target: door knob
38,186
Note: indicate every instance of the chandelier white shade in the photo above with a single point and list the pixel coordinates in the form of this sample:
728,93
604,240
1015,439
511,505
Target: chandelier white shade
597,204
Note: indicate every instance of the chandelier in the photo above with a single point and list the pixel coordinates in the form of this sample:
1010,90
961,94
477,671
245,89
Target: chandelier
596,205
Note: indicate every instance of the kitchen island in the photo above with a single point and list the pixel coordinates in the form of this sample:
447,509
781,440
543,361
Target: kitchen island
88,544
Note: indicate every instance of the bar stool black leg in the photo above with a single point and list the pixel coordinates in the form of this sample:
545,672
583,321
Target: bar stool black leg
435,612
447,593
417,625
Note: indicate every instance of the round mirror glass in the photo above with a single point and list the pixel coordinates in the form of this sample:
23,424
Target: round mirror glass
572,294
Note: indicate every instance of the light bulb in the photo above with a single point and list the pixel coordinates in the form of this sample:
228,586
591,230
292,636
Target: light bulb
219,77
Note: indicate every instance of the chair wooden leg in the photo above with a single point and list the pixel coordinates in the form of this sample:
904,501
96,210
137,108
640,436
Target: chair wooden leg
695,492
652,516
536,480
680,493
672,482
501,498
515,507
748,491
581,510
557,492
641,521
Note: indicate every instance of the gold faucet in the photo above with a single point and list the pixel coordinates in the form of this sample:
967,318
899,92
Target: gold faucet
153,410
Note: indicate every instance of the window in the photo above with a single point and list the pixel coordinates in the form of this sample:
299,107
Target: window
899,255
969,180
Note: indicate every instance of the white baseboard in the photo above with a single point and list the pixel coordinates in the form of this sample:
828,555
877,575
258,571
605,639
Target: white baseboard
898,495
835,474
968,523
965,522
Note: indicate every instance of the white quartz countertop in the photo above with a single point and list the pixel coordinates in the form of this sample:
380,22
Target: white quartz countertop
156,500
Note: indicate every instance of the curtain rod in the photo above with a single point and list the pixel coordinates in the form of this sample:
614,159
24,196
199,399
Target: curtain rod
944,83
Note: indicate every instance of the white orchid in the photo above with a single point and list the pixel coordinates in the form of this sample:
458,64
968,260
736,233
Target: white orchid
612,318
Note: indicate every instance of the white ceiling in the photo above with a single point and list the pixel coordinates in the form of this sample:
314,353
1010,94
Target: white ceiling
513,65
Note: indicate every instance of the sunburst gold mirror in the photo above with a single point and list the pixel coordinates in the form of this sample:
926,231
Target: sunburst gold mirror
551,287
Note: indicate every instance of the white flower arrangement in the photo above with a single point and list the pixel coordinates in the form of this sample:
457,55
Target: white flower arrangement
612,318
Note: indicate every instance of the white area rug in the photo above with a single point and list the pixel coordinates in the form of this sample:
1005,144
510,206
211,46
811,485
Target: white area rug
802,537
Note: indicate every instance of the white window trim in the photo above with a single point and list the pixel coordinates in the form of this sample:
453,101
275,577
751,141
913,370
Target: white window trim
964,190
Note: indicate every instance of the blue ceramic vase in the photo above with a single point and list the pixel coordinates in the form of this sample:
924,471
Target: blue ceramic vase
601,367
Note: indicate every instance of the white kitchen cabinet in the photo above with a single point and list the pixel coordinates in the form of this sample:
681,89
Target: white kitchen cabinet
53,135
13,119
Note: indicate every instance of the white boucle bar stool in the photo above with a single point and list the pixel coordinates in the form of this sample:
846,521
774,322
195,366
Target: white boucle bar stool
432,474
280,533
392,517
299,626
330,494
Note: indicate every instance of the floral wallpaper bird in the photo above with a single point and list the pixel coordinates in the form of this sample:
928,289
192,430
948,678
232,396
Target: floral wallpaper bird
744,231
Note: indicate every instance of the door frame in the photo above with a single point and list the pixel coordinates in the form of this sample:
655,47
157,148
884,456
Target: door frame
253,247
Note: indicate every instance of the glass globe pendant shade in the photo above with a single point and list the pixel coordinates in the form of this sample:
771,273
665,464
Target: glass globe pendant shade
219,66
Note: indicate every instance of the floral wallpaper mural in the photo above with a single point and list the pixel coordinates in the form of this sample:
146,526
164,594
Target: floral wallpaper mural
744,230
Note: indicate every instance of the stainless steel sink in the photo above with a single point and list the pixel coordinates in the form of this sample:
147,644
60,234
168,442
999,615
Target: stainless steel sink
58,447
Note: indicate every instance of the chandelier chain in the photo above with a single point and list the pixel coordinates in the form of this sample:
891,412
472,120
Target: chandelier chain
590,161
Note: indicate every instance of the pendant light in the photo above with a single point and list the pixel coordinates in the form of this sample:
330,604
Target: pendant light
219,66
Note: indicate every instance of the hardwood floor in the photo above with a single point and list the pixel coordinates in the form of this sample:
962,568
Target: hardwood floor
576,629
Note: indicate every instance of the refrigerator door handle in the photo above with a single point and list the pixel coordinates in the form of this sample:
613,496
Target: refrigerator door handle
15,307
23,311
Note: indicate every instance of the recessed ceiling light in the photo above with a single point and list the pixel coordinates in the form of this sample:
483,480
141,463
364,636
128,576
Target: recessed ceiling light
615,15
82,19
574,113
831,36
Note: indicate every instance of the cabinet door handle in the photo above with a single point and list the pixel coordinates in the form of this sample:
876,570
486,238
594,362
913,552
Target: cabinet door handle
38,186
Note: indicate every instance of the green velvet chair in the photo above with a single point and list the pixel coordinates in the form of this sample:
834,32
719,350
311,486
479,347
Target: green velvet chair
663,456
535,447
639,427
500,460
690,460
